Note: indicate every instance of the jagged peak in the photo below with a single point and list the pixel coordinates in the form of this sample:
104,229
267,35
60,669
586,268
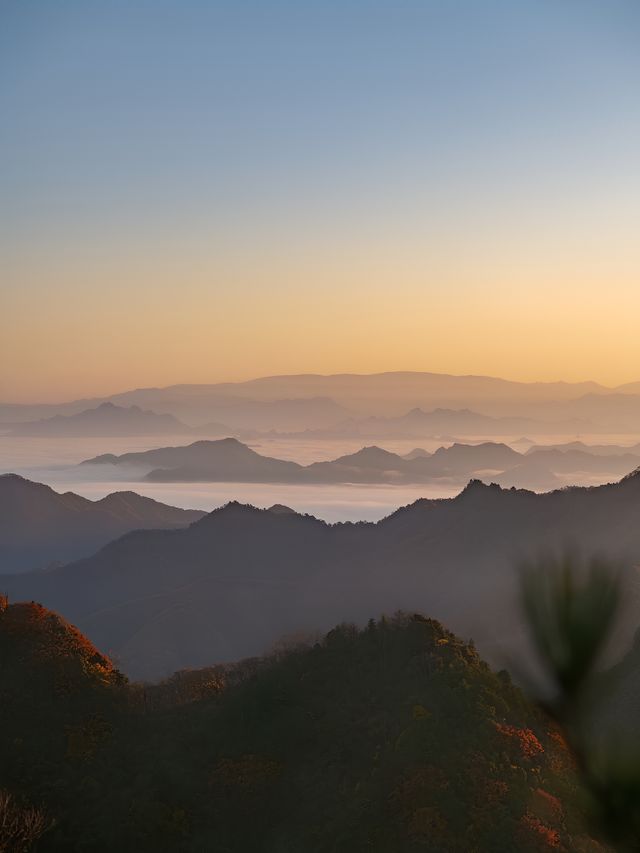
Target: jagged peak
478,487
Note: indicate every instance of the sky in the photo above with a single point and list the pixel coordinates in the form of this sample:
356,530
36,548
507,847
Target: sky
199,191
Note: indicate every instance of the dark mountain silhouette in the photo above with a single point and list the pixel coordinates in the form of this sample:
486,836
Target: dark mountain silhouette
398,737
229,585
105,420
228,460
39,526
281,509
369,465
224,460
468,458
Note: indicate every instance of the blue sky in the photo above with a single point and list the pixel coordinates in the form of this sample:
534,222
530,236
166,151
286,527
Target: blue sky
219,130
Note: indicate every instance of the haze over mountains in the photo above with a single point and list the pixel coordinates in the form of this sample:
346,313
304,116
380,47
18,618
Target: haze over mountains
228,460
39,527
105,420
232,583
201,411
292,403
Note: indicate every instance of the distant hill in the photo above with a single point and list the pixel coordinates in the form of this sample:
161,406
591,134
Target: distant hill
416,453
106,419
468,458
419,424
224,460
382,394
228,460
229,585
397,738
568,461
298,403
39,526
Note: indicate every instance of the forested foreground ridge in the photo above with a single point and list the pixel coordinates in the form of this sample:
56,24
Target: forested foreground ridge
397,737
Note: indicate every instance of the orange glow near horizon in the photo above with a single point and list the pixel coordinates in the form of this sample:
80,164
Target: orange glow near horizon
142,323
222,191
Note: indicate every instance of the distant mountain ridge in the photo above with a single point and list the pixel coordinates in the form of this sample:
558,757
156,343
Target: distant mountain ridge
381,394
39,526
229,460
203,414
229,585
107,419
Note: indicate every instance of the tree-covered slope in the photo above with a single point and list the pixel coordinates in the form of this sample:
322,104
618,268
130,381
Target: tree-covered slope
394,738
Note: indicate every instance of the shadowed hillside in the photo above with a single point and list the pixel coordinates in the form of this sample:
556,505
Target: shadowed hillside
394,738
39,527
232,583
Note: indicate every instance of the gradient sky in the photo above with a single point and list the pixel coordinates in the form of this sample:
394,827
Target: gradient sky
196,191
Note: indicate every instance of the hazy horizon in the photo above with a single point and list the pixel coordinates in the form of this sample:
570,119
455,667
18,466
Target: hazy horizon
107,392
220,191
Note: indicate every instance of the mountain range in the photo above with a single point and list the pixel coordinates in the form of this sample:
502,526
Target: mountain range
40,527
108,420
228,460
202,413
293,403
231,583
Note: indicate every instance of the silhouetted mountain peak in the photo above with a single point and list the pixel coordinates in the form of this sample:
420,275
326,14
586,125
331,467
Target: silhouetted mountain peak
230,509
11,480
477,489
39,526
281,509
370,456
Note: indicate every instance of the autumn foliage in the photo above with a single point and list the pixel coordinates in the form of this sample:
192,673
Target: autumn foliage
396,738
